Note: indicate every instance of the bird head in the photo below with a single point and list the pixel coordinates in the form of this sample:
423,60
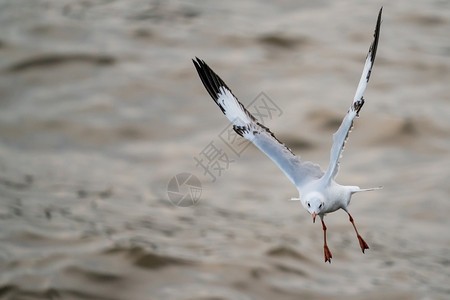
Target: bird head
314,204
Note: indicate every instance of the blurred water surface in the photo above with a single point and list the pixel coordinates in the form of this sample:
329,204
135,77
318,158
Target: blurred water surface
100,106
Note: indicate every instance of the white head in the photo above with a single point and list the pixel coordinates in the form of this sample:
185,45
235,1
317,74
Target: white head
314,203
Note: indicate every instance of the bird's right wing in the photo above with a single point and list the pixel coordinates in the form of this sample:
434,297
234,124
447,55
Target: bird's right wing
246,125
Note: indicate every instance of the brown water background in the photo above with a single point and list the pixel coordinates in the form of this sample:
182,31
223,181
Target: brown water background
100,106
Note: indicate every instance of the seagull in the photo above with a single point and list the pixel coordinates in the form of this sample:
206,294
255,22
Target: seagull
319,193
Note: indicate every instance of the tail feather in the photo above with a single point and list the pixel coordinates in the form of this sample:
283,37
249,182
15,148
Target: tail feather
357,189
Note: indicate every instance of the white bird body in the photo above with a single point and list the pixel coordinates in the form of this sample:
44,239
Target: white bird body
318,191
331,195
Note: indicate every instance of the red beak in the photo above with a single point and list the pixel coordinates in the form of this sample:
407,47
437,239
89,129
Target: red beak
314,217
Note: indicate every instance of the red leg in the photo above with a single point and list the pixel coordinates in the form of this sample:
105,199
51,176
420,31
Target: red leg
362,243
326,251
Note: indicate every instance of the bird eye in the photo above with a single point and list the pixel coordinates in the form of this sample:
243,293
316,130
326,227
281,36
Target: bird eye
320,206
309,205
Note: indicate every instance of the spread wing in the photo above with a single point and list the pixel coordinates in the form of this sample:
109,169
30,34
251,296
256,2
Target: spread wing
246,125
340,137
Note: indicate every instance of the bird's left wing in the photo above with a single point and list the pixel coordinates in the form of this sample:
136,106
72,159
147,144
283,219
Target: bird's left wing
246,125
340,137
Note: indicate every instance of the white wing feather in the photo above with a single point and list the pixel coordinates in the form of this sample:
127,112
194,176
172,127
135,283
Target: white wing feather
341,135
246,125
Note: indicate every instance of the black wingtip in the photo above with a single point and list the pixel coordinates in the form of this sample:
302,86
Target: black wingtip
198,63
211,81
376,36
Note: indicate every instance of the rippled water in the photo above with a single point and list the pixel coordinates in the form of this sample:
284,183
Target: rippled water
100,106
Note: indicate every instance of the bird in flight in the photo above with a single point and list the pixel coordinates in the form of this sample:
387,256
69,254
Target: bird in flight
318,191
